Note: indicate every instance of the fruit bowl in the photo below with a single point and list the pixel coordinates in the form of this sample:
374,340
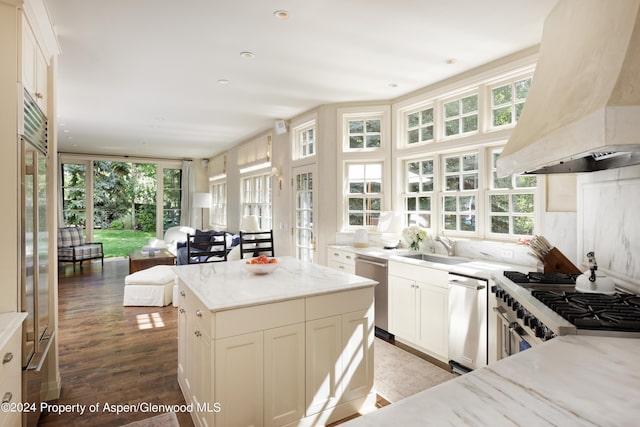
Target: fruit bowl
261,265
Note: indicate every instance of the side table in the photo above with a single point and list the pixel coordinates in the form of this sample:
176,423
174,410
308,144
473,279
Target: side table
139,260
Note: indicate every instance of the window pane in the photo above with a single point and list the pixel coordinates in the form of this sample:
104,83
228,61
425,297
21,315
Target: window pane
522,203
470,162
451,109
356,126
373,141
500,224
427,116
375,204
523,225
413,120
502,95
411,203
427,133
427,167
427,185
450,204
500,203
413,136
356,219
356,204
526,181
519,108
425,203
470,123
468,223
356,187
452,183
452,127
470,104
356,141
452,164
373,125
470,181
522,88
450,222
375,187
502,116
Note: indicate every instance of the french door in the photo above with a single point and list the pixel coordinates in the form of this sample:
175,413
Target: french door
304,213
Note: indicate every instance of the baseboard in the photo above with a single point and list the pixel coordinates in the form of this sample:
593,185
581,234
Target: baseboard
339,412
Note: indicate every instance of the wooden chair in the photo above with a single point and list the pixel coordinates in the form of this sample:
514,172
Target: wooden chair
256,243
206,246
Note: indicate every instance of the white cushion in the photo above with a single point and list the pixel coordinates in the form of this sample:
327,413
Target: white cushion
234,254
157,275
148,295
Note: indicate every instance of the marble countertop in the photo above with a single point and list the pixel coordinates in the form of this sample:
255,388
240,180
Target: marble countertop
482,269
9,322
572,380
228,285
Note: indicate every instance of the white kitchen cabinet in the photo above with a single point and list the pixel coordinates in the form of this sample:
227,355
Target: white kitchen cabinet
418,307
35,68
10,378
341,260
301,361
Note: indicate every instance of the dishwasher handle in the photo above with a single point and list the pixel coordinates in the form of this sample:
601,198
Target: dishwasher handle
368,261
458,282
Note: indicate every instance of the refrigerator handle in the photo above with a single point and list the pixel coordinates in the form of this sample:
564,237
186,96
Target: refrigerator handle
37,362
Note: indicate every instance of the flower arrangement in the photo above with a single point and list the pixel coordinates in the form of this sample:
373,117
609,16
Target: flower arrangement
414,235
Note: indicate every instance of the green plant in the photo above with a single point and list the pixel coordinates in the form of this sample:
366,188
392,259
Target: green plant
116,225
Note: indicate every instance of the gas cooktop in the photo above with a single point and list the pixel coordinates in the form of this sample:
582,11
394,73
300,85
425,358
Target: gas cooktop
541,278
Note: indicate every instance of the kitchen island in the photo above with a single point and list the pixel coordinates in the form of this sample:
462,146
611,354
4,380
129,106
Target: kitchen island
293,347
572,380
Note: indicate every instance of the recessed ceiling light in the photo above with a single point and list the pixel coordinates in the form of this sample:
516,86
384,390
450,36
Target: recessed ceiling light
223,81
66,131
69,137
247,55
281,14
392,84
451,61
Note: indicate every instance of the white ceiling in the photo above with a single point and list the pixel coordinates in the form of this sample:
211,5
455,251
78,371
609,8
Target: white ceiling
140,77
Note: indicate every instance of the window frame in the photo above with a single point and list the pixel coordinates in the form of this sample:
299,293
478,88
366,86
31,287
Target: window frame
219,200
346,195
459,97
256,195
298,146
491,108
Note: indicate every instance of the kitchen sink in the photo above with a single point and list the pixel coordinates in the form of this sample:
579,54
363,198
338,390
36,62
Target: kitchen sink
437,259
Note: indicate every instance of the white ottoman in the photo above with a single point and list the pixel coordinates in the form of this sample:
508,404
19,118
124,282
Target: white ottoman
150,287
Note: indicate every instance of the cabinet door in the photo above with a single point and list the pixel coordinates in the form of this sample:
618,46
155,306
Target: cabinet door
29,49
284,369
433,319
41,92
323,376
202,396
402,307
182,349
357,356
239,368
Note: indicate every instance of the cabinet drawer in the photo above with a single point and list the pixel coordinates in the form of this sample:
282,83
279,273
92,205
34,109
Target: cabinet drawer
195,309
419,273
322,306
259,317
345,257
10,356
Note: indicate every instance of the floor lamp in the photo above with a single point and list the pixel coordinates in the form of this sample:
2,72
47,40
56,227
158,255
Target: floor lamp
201,200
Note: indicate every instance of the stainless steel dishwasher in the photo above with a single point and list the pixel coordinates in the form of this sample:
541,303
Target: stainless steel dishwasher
376,269
467,323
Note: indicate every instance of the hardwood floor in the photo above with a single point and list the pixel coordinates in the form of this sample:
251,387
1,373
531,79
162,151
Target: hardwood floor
110,354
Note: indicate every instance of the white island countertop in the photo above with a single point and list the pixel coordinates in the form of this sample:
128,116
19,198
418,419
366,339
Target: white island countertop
571,380
228,285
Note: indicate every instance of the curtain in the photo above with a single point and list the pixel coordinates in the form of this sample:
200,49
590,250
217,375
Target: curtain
59,195
188,217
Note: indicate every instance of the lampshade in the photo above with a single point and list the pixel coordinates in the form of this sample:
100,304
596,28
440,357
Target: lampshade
249,223
201,200
390,222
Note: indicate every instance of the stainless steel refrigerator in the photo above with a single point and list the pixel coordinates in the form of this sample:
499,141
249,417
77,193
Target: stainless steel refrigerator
37,330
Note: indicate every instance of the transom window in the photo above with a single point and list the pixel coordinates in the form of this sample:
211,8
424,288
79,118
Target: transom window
461,115
419,192
218,211
364,194
305,140
511,202
420,126
460,187
364,134
507,102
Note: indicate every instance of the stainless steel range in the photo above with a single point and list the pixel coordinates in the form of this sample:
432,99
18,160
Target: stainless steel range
534,307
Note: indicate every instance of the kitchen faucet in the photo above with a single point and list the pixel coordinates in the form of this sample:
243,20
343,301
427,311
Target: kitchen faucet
449,245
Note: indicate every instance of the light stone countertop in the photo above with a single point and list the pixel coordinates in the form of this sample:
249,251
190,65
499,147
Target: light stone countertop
572,380
228,285
9,322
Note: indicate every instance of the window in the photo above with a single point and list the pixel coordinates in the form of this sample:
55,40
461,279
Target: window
419,192
171,194
460,187
305,140
420,126
364,194
363,133
461,115
218,211
256,199
74,206
507,102
511,203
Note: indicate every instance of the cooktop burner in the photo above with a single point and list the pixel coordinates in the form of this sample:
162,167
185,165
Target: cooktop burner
545,278
618,312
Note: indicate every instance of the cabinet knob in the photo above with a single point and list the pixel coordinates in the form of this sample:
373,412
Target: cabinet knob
198,334
8,357
199,313
7,397
38,95
182,293
182,310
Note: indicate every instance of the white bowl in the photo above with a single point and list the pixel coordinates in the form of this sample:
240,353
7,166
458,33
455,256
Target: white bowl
261,268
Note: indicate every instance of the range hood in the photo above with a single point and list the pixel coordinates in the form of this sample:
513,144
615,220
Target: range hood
582,112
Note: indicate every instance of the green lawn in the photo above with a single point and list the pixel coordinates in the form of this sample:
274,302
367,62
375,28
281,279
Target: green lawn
120,242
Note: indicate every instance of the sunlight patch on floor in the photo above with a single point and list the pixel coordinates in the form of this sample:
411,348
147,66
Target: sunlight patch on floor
150,321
